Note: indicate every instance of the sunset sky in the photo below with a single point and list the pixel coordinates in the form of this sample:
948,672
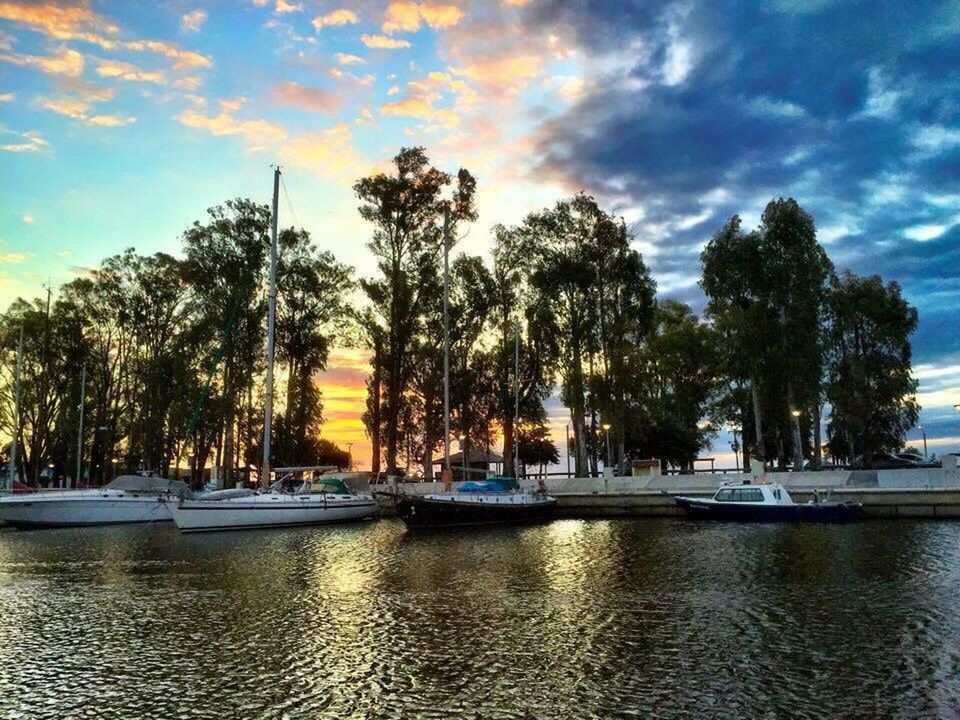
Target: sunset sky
121,122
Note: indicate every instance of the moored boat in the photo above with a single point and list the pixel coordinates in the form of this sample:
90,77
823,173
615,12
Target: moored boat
287,503
495,501
765,502
128,499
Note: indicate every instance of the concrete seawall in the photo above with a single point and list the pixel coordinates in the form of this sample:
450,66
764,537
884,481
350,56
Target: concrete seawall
919,493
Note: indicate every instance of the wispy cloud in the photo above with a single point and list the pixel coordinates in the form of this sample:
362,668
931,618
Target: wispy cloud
341,16
381,42
64,62
347,59
193,20
28,142
405,16
308,98
129,72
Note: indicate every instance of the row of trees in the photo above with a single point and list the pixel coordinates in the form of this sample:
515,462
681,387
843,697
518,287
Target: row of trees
796,336
173,347
171,350
782,337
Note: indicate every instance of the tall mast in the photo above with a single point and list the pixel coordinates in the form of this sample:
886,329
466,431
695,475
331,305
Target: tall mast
516,402
446,338
83,397
16,416
271,322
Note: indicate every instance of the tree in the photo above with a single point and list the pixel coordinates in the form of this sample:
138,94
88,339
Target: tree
406,211
224,264
766,291
870,386
535,447
675,385
313,295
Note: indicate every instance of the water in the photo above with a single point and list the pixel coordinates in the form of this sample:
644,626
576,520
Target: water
575,619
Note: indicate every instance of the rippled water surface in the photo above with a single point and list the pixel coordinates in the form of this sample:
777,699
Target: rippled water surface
578,619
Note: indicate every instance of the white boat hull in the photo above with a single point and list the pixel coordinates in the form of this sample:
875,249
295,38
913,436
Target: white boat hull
38,511
268,512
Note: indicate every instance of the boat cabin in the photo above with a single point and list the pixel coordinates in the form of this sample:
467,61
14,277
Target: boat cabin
767,494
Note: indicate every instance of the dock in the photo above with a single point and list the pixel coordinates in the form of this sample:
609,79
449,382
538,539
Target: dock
903,493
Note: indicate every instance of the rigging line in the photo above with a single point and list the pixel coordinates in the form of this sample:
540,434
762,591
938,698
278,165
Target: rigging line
293,212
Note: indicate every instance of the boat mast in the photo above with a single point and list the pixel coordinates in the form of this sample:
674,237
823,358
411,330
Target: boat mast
516,403
83,393
12,470
446,341
271,322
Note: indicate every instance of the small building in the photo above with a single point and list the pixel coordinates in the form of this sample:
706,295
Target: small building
485,463
645,468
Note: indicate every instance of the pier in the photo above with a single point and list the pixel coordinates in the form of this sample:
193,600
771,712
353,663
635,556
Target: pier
913,493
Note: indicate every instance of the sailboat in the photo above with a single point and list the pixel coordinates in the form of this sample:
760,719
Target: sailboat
497,500
288,501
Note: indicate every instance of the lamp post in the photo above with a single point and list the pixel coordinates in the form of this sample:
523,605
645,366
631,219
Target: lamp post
924,433
568,449
735,446
606,431
350,456
797,443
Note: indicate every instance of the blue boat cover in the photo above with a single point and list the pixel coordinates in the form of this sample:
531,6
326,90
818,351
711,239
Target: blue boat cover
480,486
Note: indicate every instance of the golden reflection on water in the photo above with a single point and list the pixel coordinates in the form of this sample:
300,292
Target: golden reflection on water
569,619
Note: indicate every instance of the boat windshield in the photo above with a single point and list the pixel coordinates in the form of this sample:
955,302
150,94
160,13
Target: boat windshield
739,495
329,486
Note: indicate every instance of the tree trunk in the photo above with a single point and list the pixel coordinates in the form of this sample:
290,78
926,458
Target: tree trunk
757,424
817,452
375,410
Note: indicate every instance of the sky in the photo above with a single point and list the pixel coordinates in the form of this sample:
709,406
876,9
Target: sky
121,122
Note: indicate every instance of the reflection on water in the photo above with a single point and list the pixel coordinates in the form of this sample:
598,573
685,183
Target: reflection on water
642,618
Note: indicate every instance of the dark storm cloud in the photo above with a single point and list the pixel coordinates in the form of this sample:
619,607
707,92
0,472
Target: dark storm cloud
714,108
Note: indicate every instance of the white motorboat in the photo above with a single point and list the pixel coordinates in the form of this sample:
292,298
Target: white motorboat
287,503
765,502
128,499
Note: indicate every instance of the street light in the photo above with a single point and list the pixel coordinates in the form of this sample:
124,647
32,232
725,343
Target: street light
350,456
924,432
795,413
568,449
606,431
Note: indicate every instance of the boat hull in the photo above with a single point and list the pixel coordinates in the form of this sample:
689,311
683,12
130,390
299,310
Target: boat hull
38,512
423,513
208,516
830,512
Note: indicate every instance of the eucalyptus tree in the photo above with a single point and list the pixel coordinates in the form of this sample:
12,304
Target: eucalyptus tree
625,305
224,264
53,348
871,390
674,389
515,302
406,210
766,292
562,244
313,310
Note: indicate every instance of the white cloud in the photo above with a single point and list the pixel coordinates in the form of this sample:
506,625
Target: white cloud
341,16
193,21
923,233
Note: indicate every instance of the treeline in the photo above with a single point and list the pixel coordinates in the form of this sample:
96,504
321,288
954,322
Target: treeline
172,353
173,347
782,337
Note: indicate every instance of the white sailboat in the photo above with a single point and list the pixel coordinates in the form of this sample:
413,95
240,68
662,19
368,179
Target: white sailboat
287,502
128,499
